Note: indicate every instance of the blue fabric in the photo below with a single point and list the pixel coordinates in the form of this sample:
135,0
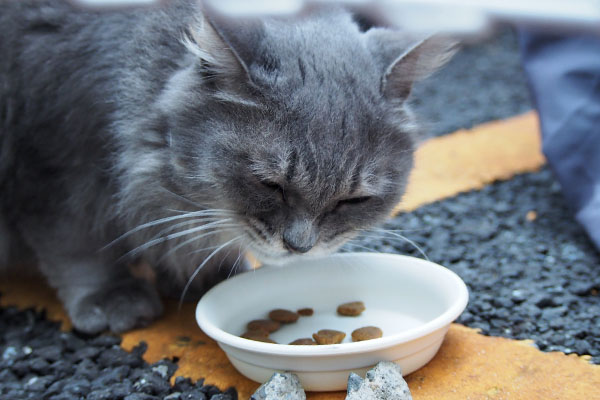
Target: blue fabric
564,78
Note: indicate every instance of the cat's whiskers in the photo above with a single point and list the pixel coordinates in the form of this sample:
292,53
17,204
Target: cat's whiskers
382,235
199,268
171,236
195,221
222,229
368,249
185,199
214,210
235,264
164,220
398,235
223,259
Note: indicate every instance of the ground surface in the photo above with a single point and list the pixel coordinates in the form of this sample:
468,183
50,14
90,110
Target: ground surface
532,272
483,82
530,269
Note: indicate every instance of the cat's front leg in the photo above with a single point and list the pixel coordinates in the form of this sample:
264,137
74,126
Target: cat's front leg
99,295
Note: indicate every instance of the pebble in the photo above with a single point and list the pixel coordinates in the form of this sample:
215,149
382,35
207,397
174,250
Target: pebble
141,396
87,369
518,296
162,371
89,352
38,384
79,387
9,353
151,383
383,382
55,388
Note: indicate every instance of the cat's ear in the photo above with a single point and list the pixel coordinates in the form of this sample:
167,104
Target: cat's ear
406,60
226,46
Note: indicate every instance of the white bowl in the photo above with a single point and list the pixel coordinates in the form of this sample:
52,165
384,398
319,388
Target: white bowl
412,300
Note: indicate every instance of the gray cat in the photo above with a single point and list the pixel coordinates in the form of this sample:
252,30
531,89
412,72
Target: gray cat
184,139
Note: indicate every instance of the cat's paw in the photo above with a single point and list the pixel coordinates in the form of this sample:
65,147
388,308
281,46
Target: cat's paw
126,305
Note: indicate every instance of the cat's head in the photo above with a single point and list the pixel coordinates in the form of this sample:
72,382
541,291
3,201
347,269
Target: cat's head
298,127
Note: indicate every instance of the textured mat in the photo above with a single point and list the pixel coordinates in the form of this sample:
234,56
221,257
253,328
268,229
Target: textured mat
470,159
468,365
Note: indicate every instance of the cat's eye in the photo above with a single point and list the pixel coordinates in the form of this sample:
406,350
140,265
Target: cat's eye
355,200
274,186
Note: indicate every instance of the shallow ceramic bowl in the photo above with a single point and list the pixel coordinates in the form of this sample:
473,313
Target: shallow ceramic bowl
412,300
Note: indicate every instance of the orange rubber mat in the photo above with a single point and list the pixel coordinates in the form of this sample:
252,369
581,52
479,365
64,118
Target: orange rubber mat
470,159
468,365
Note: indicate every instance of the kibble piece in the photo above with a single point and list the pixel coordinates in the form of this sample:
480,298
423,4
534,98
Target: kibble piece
351,309
304,342
259,336
283,316
366,333
263,325
306,312
329,336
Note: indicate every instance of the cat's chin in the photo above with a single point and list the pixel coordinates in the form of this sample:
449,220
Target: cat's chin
281,259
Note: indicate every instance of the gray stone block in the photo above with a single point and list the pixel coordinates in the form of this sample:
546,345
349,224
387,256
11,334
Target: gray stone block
383,382
280,387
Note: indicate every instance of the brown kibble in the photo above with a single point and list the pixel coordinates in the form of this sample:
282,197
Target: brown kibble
283,316
366,333
351,309
304,342
263,325
306,312
329,336
259,336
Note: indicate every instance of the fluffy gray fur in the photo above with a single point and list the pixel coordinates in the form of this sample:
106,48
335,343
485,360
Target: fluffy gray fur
180,138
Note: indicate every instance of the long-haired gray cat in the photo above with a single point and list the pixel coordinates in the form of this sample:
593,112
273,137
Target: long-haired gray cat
182,139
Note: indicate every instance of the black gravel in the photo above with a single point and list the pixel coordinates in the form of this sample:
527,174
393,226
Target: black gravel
38,361
535,279
483,82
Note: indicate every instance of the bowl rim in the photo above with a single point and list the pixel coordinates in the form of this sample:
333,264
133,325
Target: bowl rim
441,321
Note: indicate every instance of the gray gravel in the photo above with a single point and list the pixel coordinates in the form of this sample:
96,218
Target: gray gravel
483,82
535,279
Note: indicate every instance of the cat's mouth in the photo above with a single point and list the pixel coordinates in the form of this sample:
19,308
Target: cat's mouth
279,258
272,249
279,255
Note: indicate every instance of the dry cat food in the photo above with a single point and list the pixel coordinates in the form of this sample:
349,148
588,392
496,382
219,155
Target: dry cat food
263,325
351,309
259,336
366,333
283,316
306,312
304,342
259,329
329,336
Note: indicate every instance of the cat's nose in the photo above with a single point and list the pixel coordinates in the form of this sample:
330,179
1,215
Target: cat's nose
295,247
299,236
